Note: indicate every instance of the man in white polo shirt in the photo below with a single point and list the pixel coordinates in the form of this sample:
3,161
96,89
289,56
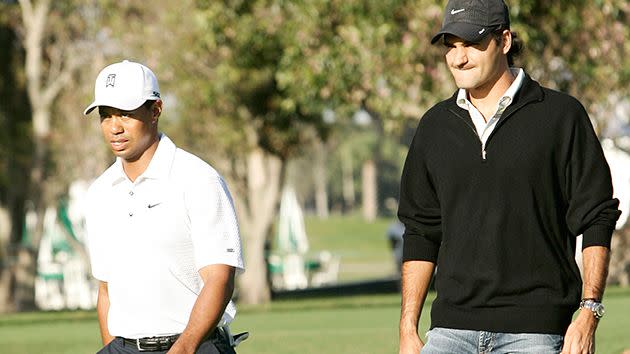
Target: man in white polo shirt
162,233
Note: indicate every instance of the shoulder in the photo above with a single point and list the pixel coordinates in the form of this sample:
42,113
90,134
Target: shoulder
436,113
562,100
99,191
192,168
434,118
567,111
102,183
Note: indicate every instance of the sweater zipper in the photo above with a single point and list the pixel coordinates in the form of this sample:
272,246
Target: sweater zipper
499,123
503,118
483,146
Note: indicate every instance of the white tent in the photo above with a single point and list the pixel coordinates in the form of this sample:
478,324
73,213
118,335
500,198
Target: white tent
619,162
291,237
291,244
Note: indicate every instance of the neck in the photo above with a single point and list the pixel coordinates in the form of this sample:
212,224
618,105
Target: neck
489,94
136,167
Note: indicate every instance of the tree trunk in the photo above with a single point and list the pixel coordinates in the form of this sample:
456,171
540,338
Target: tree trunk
26,271
26,267
619,272
319,174
347,183
370,190
254,288
43,87
6,275
265,174
15,224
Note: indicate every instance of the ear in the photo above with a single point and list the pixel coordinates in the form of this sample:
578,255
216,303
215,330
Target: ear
506,41
157,110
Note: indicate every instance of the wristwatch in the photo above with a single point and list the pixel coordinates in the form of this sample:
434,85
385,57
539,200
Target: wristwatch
595,306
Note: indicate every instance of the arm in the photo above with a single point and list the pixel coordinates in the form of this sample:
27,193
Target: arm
206,313
580,336
416,277
102,309
419,210
592,212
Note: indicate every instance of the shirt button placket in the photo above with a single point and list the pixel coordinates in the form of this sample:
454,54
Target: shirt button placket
131,193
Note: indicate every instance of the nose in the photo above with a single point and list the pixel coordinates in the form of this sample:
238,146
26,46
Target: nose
115,125
460,57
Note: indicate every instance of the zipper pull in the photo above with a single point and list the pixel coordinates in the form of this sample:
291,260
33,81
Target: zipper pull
483,154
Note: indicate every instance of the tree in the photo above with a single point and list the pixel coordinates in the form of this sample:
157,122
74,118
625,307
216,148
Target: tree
267,70
50,35
245,82
579,47
14,155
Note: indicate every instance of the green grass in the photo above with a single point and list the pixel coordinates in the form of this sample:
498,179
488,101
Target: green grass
362,247
357,324
49,332
360,324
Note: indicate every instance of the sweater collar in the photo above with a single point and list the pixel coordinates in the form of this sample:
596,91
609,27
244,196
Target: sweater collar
530,91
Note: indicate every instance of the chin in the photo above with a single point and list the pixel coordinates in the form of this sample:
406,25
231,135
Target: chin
121,154
465,85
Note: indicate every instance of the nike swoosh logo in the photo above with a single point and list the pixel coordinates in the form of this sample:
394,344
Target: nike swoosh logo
453,11
153,205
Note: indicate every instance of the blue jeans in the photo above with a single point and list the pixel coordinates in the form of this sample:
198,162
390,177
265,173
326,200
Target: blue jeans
448,341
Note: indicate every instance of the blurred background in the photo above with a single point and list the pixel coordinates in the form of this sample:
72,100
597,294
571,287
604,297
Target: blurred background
307,108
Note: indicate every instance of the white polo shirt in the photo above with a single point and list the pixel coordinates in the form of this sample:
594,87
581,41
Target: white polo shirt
148,238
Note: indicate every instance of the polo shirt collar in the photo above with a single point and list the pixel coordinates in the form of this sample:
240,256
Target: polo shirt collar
508,96
159,167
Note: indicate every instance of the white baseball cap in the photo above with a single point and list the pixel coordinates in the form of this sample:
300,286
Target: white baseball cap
125,85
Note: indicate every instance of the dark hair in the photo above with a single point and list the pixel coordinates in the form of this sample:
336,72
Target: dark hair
148,104
517,43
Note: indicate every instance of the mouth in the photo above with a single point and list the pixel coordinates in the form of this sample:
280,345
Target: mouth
118,144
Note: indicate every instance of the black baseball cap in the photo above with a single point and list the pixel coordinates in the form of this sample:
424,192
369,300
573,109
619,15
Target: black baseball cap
473,20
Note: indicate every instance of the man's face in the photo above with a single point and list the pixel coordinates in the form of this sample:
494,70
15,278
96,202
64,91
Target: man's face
475,66
130,133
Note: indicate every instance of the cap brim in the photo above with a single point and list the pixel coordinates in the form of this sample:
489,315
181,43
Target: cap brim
124,106
90,108
466,31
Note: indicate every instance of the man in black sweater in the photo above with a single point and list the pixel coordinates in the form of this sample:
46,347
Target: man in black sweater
499,181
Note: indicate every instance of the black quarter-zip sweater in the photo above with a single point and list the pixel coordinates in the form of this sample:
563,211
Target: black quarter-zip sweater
502,229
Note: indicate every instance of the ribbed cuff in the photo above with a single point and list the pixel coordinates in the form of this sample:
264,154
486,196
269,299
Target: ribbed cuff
420,247
597,235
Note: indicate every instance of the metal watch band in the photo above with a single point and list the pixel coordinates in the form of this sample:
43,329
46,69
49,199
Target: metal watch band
594,306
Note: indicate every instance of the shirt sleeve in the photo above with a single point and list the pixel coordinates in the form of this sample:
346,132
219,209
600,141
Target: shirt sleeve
592,211
95,242
214,226
419,207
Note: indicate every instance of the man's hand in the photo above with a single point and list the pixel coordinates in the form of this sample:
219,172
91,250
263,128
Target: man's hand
580,336
410,344
416,276
180,348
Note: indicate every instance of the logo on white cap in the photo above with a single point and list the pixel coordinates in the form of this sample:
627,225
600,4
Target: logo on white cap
111,80
125,85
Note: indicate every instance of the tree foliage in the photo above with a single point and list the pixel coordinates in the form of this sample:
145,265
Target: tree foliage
580,47
245,80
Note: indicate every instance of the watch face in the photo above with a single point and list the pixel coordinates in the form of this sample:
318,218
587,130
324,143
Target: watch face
596,307
599,310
